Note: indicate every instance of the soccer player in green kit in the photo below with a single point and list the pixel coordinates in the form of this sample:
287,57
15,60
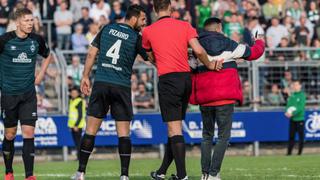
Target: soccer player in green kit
18,54
118,45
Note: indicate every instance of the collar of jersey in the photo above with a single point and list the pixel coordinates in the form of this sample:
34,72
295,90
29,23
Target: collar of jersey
163,17
126,25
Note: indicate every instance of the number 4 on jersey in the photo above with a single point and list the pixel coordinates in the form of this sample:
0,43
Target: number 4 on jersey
113,52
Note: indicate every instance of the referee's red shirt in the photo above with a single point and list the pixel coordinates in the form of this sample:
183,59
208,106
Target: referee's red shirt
168,39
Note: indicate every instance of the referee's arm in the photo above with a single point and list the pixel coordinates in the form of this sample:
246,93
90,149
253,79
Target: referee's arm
201,53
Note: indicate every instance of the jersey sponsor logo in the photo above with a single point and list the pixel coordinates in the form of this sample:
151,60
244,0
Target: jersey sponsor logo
313,125
22,58
118,34
13,48
32,47
111,66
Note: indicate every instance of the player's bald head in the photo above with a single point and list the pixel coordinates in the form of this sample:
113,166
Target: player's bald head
213,24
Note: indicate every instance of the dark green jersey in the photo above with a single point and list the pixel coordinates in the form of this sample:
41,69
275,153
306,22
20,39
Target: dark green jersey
118,46
17,61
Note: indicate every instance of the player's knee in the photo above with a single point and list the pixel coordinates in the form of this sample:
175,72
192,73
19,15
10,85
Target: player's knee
28,133
174,131
91,131
10,135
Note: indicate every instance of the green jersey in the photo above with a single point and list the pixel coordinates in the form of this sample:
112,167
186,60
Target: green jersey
296,106
118,46
18,60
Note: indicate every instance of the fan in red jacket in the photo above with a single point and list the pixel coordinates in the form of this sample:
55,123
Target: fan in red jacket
217,91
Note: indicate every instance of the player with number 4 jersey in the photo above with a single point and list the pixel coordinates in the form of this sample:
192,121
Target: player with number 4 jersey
118,46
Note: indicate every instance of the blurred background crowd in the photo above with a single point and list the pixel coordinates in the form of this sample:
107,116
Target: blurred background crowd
291,29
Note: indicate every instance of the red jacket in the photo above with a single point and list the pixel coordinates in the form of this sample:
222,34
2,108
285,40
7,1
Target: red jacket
213,86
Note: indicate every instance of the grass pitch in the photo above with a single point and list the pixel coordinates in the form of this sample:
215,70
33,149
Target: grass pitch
234,168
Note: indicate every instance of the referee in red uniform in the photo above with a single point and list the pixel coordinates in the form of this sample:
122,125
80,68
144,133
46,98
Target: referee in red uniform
167,41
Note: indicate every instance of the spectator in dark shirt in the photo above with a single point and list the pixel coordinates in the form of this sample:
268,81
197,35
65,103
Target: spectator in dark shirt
301,34
4,15
85,19
143,100
284,55
116,11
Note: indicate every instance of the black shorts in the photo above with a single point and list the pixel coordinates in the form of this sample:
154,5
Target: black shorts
105,96
174,92
19,107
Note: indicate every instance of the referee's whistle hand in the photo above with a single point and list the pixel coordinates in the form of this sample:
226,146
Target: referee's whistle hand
85,86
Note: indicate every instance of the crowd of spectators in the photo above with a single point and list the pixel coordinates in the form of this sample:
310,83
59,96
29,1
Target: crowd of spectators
285,24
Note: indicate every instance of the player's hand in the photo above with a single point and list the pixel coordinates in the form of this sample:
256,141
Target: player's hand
216,65
85,85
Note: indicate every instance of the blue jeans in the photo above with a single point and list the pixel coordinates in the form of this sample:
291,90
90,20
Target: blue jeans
222,115
64,41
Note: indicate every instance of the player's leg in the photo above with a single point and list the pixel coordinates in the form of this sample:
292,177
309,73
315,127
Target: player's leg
121,111
174,93
224,122
9,114
87,142
292,132
208,123
301,136
28,148
97,110
28,117
8,149
124,146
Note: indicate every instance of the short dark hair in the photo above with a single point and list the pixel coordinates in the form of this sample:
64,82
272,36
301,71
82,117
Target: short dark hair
22,12
161,5
85,8
212,21
134,11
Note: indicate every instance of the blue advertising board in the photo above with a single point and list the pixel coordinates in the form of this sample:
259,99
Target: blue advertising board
148,129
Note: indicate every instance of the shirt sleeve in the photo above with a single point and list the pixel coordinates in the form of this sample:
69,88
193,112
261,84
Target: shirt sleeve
140,50
44,50
145,41
191,33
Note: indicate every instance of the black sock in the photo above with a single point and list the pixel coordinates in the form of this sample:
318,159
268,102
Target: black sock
124,147
87,144
8,153
179,154
28,156
167,158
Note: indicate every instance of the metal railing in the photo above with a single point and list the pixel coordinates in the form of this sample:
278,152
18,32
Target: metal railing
65,57
257,78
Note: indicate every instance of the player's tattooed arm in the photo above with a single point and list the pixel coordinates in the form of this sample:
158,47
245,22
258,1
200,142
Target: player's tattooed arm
90,60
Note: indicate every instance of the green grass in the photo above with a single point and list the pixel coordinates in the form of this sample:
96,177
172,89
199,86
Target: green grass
234,168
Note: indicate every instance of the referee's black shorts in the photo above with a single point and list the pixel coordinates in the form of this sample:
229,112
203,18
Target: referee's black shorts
174,92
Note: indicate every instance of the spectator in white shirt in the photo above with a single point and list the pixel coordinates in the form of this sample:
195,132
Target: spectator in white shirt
98,9
63,19
275,32
75,70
